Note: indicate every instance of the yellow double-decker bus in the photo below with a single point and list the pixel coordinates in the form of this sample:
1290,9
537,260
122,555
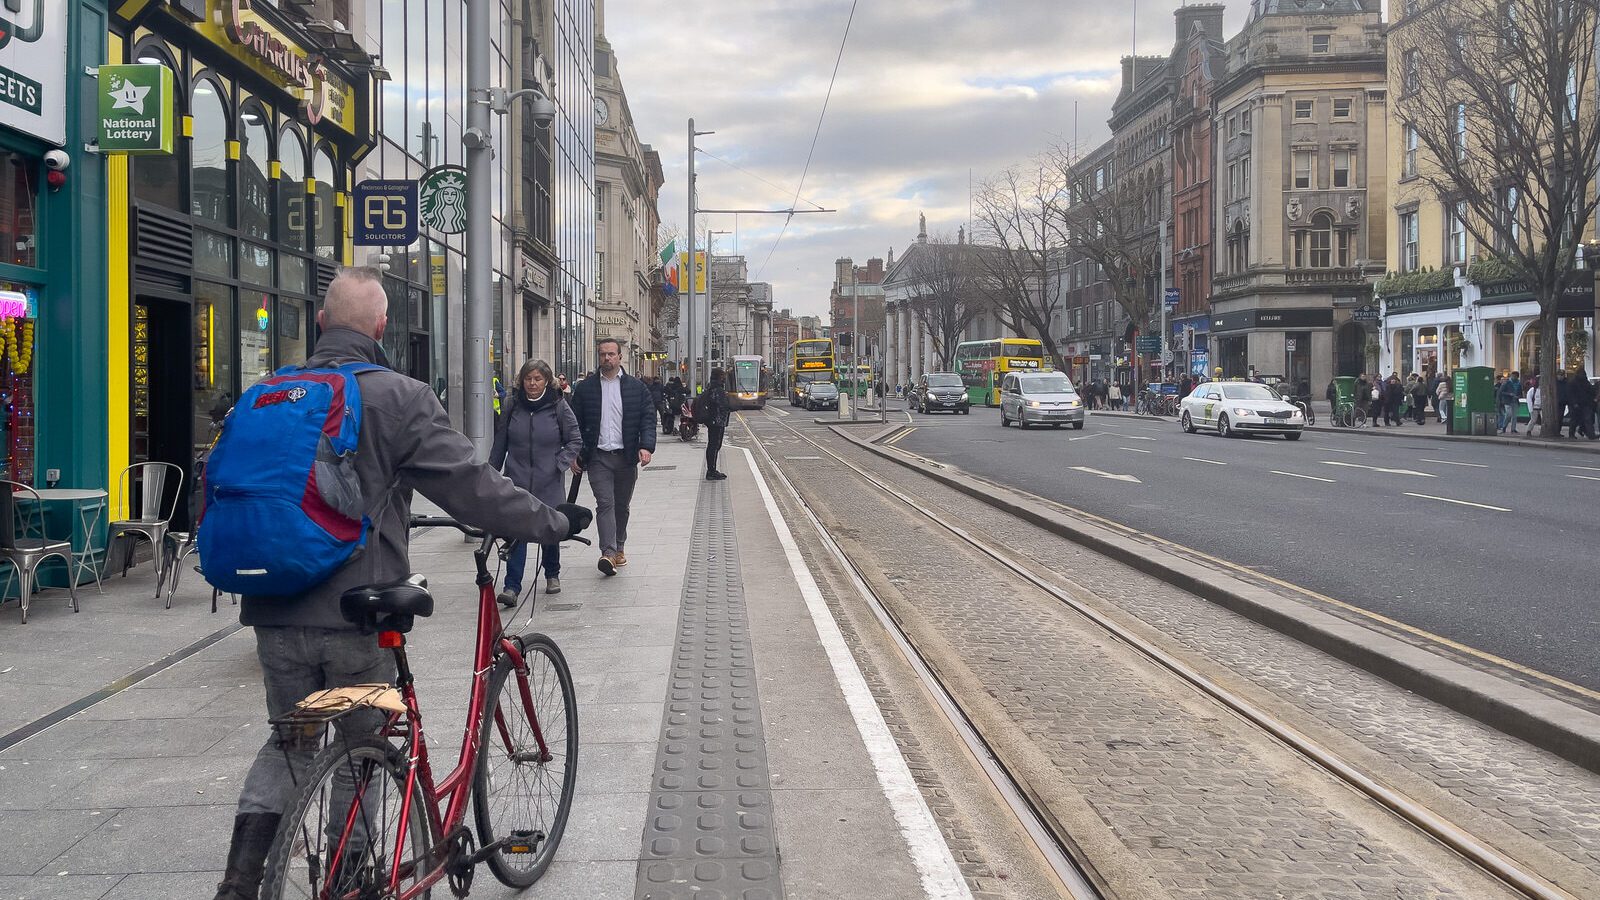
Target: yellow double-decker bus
809,360
983,364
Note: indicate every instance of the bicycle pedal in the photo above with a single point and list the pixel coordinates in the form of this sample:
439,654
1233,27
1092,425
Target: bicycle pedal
524,842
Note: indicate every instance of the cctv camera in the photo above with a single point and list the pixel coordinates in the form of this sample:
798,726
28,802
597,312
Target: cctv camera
543,110
56,160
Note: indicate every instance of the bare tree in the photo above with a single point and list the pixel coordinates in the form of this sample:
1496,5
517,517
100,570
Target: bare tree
1018,231
945,298
1500,95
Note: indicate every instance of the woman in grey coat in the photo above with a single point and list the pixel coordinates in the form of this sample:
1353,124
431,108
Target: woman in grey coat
535,441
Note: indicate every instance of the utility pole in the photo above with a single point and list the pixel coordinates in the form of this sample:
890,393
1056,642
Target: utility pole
480,240
855,344
693,342
1162,242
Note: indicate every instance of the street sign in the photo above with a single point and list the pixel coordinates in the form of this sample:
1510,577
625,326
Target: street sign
1173,295
385,214
1166,357
1290,344
136,114
1148,343
442,199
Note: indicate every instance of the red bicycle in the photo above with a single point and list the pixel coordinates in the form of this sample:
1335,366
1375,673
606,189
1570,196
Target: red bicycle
370,822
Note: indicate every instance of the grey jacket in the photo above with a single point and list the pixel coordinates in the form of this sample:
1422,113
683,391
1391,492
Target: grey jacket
534,447
406,444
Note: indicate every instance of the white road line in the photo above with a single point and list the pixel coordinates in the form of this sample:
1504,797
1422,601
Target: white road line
1198,459
1446,462
1584,468
1306,477
941,878
780,412
1458,502
1087,436
1135,437
1329,462
802,457
1337,450
1135,450
1584,477
1113,477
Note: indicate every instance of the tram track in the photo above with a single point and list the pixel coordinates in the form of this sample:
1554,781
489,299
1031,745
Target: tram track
1065,856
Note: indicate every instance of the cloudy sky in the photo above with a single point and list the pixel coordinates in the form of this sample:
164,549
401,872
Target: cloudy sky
927,90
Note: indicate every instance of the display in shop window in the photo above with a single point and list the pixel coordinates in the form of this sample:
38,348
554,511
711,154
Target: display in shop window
16,389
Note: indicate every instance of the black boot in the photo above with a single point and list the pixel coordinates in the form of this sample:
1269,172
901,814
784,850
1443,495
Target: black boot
247,855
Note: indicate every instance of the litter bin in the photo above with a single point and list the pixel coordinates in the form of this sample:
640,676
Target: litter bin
1474,400
1344,391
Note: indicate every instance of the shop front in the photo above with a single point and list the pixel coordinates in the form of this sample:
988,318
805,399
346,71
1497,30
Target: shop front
220,250
1509,331
1296,344
1423,332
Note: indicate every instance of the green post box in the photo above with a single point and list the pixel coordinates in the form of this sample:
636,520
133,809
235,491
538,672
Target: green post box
1474,397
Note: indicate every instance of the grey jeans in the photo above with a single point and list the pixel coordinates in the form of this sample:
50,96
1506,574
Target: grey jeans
296,662
612,477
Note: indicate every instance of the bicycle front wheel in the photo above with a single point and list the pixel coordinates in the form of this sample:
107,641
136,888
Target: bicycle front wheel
341,835
522,794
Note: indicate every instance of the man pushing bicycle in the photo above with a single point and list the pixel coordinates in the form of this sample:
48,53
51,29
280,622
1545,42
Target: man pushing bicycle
308,495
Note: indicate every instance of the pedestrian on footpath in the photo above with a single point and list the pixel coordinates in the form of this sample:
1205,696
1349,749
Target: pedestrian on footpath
536,439
1581,397
619,435
304,644
1507,396
1419,400
1535,397
674,395
1444,402
712,409
1394,394
1114,393
658,393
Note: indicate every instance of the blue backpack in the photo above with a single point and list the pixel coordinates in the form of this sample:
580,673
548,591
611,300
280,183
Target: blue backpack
283,508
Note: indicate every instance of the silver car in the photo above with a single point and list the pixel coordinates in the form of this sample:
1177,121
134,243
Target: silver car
1040,398
1240,407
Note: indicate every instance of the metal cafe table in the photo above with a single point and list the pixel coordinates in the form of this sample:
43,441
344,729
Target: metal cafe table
88,538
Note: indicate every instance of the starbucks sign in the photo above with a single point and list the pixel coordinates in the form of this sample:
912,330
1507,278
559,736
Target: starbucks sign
136,109
442,199
33,68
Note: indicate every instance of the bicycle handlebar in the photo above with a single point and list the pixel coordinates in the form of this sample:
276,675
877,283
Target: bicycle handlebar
468,530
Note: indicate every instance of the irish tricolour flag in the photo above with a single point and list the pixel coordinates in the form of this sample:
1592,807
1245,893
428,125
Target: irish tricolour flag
670,270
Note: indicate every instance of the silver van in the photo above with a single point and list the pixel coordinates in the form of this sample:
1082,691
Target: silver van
1040,398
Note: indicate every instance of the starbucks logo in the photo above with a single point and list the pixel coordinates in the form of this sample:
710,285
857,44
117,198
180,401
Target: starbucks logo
442,199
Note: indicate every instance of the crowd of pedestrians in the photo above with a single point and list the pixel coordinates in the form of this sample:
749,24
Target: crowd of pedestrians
1575,403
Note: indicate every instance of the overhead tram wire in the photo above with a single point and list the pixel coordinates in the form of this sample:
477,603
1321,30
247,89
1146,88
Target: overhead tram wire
816,134
704,152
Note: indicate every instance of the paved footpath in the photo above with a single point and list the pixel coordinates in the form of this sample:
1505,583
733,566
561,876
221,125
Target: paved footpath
719,750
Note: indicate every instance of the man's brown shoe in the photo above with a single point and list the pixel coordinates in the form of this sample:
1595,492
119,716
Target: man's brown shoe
608,566
619,559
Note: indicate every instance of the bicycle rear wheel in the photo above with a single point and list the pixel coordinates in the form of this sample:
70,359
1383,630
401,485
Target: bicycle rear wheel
339,837
519,793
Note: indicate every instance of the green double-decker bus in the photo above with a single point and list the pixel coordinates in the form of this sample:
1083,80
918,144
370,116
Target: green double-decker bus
983,364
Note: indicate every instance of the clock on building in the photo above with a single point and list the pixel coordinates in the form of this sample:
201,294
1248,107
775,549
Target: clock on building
602,112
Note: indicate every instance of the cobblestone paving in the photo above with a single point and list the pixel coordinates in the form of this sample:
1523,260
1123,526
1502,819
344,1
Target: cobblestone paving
1210,806
1536,806
982,880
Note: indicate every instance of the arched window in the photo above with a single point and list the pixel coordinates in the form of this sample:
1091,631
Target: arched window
255,185
1321,241
158,178
209,191
327,221
292,212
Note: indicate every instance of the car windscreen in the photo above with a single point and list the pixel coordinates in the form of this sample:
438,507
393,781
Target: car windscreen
944,381
1248,391
1047,384
825,388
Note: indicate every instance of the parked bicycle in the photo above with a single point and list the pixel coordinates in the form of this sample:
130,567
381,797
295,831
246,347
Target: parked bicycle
1350,415
371,822
1307,411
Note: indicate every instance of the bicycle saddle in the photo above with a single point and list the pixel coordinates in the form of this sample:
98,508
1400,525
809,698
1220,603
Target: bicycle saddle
387,607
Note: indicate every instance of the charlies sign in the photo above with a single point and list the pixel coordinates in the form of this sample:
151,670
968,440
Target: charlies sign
234,26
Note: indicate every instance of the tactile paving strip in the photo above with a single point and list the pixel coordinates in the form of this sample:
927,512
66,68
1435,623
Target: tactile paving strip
709,832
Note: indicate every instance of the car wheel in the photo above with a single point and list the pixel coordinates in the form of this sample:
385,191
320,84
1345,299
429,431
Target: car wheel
1223,428
1022,418
1077,426
1186,422
1293,436
966,410
1004,422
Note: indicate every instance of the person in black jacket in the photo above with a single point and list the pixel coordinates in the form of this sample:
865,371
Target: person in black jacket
673,396
711,408
1581,400
618,424
1394,394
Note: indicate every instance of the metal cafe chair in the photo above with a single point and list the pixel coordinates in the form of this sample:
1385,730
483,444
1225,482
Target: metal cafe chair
26,553
151,507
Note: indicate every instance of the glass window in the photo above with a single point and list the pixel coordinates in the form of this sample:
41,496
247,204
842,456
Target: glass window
158,178
209,191
1319,43
1302,168
255,189
19,210
213,253
294,273
327,223
1458,134
292,189
1321,241
1458,232
291,329
393,60
1341,108
1343,160
1408,242
1408,163
1305,109
255,264
213,358
255,338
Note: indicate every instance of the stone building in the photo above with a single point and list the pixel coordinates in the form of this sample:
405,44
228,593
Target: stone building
851,282
626,188
1301,157
1141,134
1092,321
1197,60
